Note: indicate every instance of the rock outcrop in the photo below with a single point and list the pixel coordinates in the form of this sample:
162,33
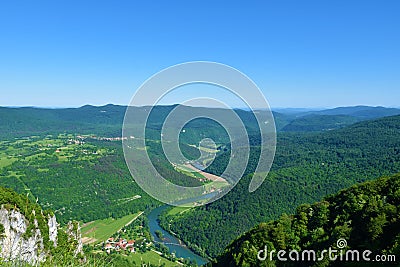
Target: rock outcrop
22,240
74,234
16,242
30,234
53,229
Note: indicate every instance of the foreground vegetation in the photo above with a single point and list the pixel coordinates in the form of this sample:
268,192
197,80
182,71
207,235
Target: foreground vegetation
366,216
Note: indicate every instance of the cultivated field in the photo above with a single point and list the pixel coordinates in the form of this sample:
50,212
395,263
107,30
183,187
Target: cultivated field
101,230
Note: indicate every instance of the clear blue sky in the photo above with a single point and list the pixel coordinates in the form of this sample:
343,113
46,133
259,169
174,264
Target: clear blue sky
301,53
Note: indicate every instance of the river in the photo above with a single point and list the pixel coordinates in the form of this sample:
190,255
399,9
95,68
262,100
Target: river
169,240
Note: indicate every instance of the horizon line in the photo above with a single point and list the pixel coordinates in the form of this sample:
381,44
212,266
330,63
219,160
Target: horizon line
166,105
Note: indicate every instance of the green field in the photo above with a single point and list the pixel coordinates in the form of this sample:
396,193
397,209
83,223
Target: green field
101,230
189,172
177,210
151,257
5,161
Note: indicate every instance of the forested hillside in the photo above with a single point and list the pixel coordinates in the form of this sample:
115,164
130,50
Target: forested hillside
315,123
307,167
366,216
20,122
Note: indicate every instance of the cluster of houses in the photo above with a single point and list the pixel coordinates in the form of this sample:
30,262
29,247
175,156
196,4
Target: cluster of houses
105,138
76,142
119,245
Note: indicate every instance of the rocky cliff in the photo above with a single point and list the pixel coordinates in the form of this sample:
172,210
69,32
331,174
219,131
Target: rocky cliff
20,240
74,235
29,234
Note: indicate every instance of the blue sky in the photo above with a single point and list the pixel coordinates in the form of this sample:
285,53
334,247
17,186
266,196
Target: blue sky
300,53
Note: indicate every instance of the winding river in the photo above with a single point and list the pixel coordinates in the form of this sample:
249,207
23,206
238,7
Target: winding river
173,243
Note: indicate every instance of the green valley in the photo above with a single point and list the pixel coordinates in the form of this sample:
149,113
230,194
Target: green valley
79,172
306,168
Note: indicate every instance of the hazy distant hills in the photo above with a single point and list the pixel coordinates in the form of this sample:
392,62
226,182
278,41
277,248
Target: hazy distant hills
300,120
365,112
355,111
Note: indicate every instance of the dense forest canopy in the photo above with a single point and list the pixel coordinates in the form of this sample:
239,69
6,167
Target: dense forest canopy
366,216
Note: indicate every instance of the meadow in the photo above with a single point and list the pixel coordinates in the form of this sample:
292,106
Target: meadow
100,230
153,258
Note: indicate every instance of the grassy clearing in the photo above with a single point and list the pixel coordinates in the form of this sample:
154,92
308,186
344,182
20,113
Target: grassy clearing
5,161
216,185
13,174
36,156
178,210
101,230
151,257
206,149
189,172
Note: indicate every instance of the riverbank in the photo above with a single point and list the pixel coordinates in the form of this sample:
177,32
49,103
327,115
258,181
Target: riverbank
174,244
208,176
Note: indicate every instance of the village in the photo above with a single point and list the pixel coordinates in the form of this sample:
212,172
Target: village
119,245
131,238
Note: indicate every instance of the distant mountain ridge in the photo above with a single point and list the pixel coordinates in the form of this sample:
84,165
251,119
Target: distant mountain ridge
330,119
108,119
366,112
